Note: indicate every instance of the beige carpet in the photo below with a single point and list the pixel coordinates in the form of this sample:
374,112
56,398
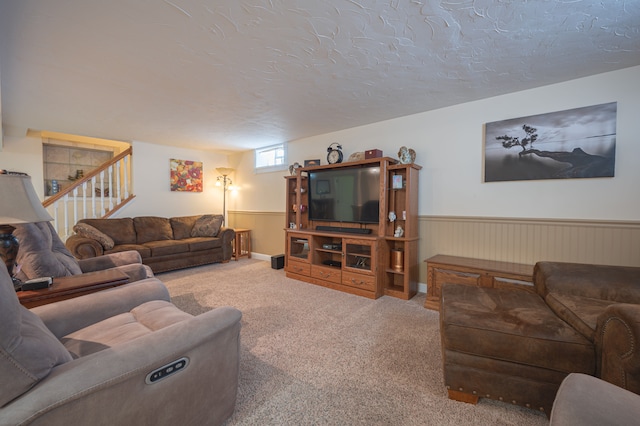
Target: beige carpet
315,356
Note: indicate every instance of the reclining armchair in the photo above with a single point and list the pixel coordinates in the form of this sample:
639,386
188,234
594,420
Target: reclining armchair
120,356
588,401
43,254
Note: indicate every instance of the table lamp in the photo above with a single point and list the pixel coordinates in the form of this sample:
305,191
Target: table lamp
19,203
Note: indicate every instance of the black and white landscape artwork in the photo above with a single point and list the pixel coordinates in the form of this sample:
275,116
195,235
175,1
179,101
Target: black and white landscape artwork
575,143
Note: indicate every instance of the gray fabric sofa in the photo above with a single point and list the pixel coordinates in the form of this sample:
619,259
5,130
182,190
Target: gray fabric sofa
164,244
43,254
101,359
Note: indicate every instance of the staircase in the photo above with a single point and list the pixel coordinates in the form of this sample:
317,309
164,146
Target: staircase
98,194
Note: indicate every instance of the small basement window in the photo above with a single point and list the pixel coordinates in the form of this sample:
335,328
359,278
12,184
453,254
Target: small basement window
271,158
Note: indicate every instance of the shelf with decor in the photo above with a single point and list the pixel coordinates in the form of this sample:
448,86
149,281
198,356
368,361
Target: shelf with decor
400,248
349,238
297,202
334,260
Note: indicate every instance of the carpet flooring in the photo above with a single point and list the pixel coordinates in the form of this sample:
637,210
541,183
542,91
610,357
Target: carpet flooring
316,356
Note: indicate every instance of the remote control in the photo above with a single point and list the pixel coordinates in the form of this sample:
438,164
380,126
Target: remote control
36,283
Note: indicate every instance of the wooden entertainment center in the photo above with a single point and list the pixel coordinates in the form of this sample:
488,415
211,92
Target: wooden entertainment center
366,259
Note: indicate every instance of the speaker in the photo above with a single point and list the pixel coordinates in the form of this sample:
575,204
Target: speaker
277,261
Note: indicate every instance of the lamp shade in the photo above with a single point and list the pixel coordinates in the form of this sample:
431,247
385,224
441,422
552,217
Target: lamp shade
19,202
225,171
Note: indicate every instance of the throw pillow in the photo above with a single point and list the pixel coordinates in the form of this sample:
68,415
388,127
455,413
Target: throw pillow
89,231
207,226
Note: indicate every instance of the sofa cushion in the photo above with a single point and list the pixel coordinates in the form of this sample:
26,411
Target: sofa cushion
167,247
152,228
511,325
88,231
580,312
207,226
182,226
28,350
203,243
42,253
140,321
120,230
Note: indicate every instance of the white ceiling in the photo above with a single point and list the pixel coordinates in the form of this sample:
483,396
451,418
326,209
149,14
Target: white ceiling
238,74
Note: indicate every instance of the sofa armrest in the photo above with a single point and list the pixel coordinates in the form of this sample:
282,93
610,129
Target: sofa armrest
70,315
83,248
98,388
617,346
111,260
129,262
227,235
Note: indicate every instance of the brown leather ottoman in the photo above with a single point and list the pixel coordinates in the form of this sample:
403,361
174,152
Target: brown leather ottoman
507,345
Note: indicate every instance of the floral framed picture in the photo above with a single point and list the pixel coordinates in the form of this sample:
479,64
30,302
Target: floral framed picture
186,175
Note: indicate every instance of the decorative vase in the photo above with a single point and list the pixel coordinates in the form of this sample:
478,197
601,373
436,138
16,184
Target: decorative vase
397,259
55,188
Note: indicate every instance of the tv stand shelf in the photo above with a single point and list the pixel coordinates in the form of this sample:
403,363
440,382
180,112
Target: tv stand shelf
367,259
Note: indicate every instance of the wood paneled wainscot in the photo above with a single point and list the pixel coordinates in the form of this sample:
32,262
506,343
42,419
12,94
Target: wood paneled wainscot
475,272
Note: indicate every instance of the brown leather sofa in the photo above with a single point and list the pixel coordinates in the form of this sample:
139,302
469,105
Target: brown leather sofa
164,244
518,346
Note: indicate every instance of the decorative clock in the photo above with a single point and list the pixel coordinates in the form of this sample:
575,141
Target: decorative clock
334,154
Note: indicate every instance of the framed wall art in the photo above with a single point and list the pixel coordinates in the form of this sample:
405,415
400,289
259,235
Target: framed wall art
186,175
396,182
574,143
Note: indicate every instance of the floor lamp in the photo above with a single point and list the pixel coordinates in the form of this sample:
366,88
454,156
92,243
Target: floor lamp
18,204
226,183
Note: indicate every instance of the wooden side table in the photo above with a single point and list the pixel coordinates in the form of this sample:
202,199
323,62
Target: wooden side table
242,243
73,286
475,272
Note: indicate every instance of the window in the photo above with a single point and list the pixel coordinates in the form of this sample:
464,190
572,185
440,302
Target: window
271,158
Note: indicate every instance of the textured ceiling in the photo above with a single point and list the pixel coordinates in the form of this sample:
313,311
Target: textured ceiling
237,74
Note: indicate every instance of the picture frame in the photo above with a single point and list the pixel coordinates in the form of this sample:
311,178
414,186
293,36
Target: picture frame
569,144
315,162
396,182
186,175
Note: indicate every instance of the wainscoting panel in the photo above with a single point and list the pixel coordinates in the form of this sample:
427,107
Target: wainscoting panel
504,239
267,230
530,240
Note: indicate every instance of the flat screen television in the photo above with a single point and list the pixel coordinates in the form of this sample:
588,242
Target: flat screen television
347,195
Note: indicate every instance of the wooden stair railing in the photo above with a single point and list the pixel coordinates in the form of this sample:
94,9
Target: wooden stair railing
99,194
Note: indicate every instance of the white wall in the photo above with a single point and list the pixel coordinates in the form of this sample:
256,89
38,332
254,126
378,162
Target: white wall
23,154
150,174
152,188
449,146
